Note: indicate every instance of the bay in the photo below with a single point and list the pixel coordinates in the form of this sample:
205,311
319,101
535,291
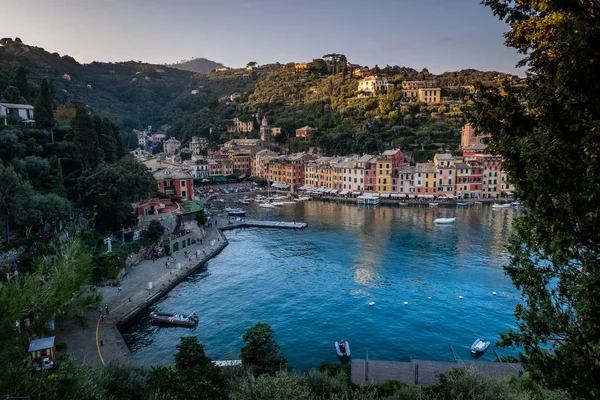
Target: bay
313,286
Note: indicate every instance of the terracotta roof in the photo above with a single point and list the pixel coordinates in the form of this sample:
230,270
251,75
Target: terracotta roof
166,173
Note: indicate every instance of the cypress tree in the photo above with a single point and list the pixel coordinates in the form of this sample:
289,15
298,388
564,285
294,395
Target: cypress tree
86,140
59,188
44,118
22,82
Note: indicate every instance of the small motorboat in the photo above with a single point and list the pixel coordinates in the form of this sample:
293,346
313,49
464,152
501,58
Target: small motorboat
444,220
516,204
245,202
504,206
342,350
479,347
303,198
175,318
236,212
267,206
462,205
277,203
434,204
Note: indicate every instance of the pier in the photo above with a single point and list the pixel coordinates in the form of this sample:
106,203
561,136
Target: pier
422,372
254,223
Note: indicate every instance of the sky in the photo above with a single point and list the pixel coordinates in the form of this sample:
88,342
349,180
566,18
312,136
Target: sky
440,35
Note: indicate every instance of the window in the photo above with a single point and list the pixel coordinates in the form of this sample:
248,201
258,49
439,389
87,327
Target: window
183,193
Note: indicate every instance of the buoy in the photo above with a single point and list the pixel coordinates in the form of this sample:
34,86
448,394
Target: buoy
494,293
429,298
372,303
406,303
219,323
460,297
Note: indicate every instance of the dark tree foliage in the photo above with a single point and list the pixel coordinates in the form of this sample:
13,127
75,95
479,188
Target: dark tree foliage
43,114
261,351
85,138
155,231
113,188
548,132
22,84
194,375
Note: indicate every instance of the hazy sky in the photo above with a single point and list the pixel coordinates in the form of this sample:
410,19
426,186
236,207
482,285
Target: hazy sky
441,35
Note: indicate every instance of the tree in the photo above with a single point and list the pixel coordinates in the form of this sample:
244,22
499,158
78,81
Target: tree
59,185
36,169
12,95
44,209
261,351
155,231
64,113
112,188
44,118
22,84
319,66
547,132
251,64
201,219
194,375
86,140
13,194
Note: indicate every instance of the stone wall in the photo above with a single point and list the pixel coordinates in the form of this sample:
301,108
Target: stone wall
11,256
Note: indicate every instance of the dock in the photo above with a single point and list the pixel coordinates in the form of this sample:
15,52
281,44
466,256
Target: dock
254,223
422,372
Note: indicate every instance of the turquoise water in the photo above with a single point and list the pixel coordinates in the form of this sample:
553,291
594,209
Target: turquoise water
313,286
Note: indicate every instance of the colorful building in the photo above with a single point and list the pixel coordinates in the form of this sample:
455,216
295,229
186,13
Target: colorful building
386,163
446,173
175,183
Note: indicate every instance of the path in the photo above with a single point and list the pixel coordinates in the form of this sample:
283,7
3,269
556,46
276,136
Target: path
101,341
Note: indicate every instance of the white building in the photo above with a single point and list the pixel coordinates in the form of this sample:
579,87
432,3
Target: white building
374,86
22,111
171,146
198,144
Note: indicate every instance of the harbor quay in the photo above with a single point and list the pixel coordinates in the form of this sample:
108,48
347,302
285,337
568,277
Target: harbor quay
100,341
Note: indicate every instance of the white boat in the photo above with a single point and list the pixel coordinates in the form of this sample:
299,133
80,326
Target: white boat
245,202
479,202
501,206
479,347
303,198
434,204
516,204
277,203
266,205
236,212
444,220
289,202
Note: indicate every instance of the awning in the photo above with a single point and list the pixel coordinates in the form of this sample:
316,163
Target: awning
333,191
428,196
343,192
411,196
385,196
355,192
450,196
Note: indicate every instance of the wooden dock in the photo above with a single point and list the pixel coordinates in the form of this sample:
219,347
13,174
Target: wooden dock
422,372
254,223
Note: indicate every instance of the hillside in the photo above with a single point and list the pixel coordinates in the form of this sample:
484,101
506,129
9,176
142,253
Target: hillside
197,65
137,94
345,121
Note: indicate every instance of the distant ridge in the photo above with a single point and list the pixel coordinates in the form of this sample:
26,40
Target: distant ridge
198,65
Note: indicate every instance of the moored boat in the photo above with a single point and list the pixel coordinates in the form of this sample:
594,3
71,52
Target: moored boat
434,204
175,318
444,220
303,198
498,206
462,205
236,212
277,203
479,347
342,350
266,205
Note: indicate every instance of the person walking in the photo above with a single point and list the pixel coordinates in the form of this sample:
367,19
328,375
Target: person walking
106,308
120,289
99,312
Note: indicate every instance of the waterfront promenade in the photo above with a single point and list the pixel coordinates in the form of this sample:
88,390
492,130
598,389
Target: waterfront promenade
100,342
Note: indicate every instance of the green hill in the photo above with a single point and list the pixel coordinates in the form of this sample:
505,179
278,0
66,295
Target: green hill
197,65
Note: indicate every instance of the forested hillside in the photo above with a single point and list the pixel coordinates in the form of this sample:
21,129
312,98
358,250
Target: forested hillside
197,65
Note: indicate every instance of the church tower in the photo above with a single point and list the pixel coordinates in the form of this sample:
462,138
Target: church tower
265,130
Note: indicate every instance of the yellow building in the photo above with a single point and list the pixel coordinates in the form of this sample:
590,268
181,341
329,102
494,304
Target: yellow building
423,91
301,67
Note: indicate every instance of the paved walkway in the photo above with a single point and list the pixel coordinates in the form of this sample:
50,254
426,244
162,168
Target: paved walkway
100,341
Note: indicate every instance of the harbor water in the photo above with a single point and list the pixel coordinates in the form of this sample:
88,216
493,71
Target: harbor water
313,286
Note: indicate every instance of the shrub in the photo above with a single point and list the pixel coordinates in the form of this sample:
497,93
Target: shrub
60,346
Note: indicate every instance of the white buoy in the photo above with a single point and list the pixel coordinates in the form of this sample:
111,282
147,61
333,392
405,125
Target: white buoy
406,303
372,303
460,297
429,298
494,293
